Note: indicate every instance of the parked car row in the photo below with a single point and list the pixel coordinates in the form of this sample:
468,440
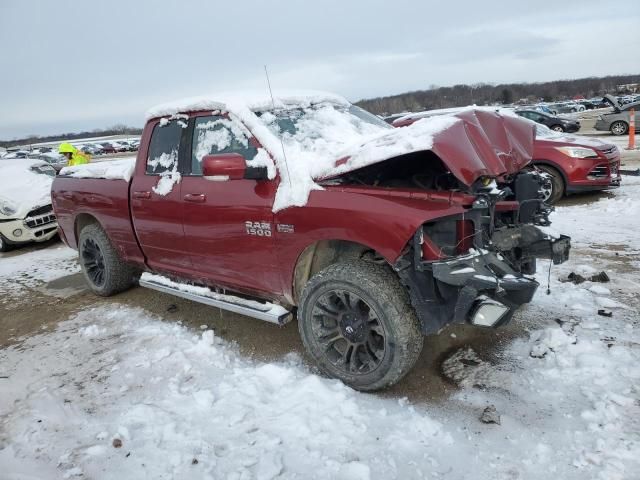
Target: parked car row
558,124
104,148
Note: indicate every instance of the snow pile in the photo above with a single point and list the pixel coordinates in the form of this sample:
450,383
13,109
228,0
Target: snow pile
121,169
179,405
324,140
23,188
620,207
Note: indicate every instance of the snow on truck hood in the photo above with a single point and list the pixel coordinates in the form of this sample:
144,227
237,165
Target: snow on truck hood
472,143
314,135
23,188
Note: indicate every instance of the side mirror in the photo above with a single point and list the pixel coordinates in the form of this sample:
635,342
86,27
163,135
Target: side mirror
230,166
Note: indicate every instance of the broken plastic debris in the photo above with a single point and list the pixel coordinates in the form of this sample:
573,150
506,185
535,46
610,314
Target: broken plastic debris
576,278
490,415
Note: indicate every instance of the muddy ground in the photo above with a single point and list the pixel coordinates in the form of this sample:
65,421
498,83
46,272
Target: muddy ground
42,307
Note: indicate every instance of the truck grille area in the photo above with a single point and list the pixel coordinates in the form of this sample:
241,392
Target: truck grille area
40,217
40,211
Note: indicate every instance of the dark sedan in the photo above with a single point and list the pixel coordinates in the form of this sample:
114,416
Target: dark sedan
557,124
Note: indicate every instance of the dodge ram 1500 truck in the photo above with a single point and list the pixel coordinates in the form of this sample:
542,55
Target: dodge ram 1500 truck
306,205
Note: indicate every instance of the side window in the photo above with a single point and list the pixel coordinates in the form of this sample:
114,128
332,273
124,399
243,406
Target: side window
216,134
163,148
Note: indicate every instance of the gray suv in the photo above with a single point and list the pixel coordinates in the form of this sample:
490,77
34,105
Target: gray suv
617,122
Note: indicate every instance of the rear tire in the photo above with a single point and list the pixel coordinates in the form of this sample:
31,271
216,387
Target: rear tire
554,191
358,325
619,127
101,266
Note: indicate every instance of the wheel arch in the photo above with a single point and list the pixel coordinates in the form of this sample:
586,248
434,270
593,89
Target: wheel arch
81,221
322,253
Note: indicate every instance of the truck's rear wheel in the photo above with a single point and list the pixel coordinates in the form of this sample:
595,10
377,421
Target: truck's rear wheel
103,270
357,323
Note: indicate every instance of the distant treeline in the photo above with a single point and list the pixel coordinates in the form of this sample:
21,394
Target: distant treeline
115,130
487,94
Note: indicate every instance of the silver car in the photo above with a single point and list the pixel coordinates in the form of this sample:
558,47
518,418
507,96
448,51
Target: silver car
617,122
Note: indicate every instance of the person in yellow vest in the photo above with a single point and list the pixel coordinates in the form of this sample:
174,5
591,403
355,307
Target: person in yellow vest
74,156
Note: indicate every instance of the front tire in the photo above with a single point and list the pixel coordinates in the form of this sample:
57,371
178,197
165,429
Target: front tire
4,245
557,128
357,323
619,127
553,191
101,266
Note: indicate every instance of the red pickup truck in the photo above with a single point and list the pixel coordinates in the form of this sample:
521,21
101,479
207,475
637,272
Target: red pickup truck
305,204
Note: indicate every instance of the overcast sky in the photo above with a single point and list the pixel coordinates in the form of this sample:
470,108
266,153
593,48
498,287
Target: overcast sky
74,65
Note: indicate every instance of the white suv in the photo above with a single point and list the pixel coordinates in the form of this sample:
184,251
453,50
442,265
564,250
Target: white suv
26,214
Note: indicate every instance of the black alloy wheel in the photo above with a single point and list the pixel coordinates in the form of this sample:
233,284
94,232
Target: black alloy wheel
349,332
93,261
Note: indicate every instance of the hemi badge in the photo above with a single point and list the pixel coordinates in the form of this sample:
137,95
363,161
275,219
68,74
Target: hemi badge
284,228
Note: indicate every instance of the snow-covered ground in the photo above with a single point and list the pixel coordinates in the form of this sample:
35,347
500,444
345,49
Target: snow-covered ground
19,273
116,392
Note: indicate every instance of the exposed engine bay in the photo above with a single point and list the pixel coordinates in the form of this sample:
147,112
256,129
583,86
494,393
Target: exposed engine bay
470,266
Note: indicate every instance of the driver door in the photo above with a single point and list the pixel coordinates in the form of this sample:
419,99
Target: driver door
228,224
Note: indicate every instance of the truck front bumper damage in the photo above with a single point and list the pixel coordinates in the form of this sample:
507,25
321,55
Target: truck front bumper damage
480,288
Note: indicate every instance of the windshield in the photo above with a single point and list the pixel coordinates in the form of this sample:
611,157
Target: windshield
542,131
324,128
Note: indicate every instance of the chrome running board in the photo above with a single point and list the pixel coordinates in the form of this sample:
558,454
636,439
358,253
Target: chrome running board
251,308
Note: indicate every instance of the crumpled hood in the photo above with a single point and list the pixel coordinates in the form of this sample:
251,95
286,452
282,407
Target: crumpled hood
485,144
472,143
24,188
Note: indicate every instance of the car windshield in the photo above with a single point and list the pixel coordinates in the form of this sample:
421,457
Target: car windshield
324,128
542,131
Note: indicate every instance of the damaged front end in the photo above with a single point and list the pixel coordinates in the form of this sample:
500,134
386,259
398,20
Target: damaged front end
473,267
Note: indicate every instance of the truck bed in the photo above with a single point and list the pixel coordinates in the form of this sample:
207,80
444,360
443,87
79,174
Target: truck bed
78,201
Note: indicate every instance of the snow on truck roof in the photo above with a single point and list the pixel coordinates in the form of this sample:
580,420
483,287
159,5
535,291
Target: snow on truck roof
308,132
312,135
250,99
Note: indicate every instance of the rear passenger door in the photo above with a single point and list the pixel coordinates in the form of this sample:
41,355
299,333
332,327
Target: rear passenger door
229,224
156,203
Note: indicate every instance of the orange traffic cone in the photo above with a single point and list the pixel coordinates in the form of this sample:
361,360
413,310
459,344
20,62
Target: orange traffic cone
632,130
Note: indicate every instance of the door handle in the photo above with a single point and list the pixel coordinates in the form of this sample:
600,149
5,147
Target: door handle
141,194
195,197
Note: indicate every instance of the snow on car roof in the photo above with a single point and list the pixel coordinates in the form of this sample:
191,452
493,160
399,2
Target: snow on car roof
25,188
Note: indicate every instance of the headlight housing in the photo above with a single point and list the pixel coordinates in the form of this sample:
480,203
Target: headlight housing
7,207
578,152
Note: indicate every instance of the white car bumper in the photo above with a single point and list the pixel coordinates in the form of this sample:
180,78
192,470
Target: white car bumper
38,226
